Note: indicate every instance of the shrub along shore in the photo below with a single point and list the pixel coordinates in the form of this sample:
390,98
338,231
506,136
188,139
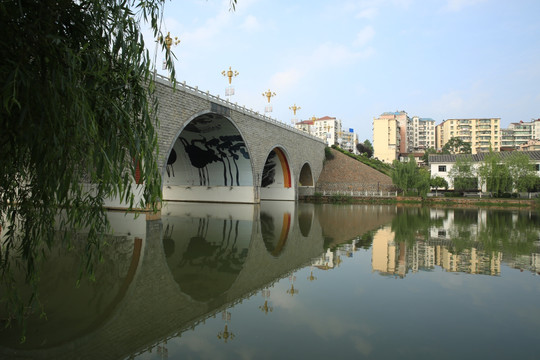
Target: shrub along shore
436,201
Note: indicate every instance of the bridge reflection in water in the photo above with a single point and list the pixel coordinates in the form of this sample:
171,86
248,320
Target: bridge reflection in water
162,277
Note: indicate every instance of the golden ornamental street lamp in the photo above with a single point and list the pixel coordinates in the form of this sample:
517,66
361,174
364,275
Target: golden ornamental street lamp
269,94
230,74
169,41
294,108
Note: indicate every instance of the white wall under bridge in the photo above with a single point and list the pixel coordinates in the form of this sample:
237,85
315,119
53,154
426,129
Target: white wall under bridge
211,150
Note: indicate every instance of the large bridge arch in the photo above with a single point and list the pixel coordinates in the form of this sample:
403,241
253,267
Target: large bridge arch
208,160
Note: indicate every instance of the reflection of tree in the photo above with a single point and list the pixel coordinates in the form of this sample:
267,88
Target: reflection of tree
410,225
212,259
513,233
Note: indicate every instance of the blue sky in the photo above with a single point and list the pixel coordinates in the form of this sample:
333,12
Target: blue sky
357,59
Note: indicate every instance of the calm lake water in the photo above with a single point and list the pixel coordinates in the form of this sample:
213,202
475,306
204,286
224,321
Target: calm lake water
297,281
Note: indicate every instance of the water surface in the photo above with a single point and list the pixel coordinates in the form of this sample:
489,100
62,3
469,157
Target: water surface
286,280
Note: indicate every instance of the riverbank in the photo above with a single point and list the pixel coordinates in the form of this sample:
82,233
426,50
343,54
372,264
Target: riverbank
433,202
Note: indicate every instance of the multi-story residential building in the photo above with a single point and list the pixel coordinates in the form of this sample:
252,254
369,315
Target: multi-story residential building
531,145
482,134
402,119
347,140
326,128
536,129
517,134
420,134
386,138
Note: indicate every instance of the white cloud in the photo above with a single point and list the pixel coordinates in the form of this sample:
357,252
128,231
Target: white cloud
321,59
364,36
251,23
458,5
286,79
368,13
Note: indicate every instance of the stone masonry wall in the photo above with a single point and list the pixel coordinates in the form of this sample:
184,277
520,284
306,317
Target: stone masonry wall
177,107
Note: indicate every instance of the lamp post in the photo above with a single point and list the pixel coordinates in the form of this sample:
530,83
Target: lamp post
229,91
168,41
268,94
294,108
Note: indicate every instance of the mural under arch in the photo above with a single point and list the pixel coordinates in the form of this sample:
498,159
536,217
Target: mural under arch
209,161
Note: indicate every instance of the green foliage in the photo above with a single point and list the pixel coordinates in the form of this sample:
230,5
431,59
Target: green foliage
365,148
438,182
456,146
495,174
410,178
328,153
463,175
425,157
521,171
339,198
77,106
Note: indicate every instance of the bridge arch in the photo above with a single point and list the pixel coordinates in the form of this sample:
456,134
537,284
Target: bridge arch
208,160
306,176
277,177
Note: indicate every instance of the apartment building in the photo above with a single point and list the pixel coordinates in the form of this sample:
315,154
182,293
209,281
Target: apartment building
326,128
517,134
483,134
386,138
347,140
402,119
420,134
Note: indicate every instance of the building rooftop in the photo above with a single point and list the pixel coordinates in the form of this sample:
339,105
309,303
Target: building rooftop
450,158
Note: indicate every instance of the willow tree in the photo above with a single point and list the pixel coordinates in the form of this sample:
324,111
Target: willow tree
76,106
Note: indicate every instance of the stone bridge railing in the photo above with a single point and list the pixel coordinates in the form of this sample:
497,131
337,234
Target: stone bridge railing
182,86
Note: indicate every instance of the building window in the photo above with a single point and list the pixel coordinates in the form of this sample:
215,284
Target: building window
442,168
537,167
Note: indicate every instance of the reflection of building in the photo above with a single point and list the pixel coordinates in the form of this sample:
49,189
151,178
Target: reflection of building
325,261
392,257
383,256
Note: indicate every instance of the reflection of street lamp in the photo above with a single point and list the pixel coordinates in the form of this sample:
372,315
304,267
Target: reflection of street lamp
163,351
265,308
311,277
225,334
292,290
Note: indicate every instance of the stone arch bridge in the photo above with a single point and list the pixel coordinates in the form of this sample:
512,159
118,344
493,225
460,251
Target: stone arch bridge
213,150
